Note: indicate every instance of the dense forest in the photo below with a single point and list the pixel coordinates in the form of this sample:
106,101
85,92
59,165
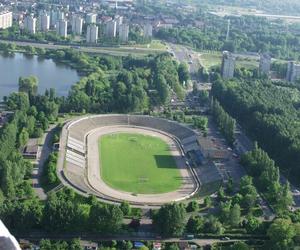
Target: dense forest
270,114
247,34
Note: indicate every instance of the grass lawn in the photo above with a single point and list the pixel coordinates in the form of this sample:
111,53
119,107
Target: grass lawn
209,60
138,164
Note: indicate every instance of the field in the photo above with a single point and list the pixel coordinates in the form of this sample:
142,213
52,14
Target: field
138,163
213,59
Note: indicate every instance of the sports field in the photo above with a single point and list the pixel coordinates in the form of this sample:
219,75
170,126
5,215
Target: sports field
138,163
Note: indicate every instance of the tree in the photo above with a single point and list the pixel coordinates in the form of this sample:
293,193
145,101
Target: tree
23,137
192,206
105,218
213,225
281,233
183,73
235,215
170,219
252,224
195,224
45,245
207,201
284,199
125,207
75,245
28,85
240,245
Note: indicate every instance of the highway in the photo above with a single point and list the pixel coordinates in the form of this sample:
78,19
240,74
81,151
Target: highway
114,51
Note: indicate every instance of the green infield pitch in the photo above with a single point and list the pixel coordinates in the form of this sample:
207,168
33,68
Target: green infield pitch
138,164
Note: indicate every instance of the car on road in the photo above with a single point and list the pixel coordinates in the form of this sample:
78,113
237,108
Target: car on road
225,238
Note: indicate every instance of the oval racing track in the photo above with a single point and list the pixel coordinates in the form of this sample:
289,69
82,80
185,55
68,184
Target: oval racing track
93,173
78,166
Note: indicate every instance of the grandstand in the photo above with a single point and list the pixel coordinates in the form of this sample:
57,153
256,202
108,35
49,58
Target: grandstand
74,150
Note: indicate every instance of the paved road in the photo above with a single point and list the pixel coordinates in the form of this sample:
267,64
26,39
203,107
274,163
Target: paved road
187,55
33,236
44,150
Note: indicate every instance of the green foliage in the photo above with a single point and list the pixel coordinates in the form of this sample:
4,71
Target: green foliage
224,121
266,175
192,206
170,219
281,233
105,218
201,122
125,208
28,85
195,224
270,115
183,73
240,245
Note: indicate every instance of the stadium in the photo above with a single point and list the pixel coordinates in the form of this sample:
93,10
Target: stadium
135,158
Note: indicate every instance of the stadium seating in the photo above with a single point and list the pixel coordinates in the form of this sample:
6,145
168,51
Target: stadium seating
78,129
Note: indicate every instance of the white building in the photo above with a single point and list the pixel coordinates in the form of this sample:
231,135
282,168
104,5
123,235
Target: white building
228,65
148,30
91,18
119,21
265,63
53,18
44,22
123,33
6,18
77,23
62,28
7,241
293,71
30,24
92,34
111,29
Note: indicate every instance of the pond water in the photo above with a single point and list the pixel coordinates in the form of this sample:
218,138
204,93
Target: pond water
50,74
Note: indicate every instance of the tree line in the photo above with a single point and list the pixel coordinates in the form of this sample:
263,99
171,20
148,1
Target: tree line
269,113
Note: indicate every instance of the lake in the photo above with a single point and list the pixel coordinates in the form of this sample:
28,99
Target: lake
50,74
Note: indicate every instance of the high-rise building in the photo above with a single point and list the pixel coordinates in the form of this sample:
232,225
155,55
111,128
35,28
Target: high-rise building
60,15
111,29
62,28
148,30
92,33
91,18
123,32
228,65
77,23
6,18
30,24
44,22
265,63
119,21
53,18
293,71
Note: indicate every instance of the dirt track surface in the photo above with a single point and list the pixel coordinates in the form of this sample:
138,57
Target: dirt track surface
93,172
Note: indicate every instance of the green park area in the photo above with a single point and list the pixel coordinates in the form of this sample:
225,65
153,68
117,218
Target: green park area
138,163
213,59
